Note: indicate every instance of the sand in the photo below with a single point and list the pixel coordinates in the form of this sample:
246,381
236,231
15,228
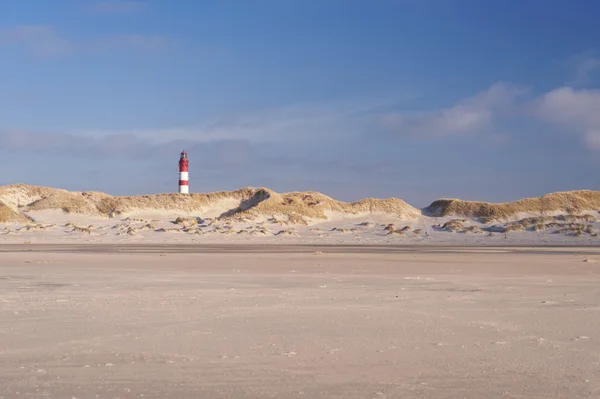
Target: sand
55,227
107,321
44,215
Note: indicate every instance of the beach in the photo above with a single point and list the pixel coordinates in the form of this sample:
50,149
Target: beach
191,321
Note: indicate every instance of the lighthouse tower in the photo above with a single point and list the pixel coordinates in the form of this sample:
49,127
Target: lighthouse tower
183,173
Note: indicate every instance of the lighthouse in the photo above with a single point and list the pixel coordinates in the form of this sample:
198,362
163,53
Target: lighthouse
183,173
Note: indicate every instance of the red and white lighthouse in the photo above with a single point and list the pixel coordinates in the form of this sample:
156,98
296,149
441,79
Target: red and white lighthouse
183,174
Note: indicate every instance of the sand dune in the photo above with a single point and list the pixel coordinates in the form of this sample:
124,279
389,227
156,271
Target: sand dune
298,207
250,203
26,212
570,202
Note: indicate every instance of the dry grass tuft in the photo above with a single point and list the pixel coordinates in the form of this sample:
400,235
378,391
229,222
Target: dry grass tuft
396,233
8,215
128,219
67,202
458,226
187,222
37,227
345,231
472,229
390,227
286,232
513,227
77,229
453,225
573,229
260,232
541,223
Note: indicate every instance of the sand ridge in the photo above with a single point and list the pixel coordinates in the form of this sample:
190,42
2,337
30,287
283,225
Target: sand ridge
570,202
44,214
295,207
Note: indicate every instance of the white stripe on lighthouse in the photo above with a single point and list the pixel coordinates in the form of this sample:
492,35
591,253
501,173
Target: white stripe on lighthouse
184,189
184,176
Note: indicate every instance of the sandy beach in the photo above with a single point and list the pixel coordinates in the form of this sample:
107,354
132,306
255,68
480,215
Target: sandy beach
110,321
299,199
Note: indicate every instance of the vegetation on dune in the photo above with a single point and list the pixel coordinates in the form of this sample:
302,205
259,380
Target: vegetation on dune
252,203
298,208
8,215
570,202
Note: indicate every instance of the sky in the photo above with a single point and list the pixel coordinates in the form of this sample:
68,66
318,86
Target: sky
415,99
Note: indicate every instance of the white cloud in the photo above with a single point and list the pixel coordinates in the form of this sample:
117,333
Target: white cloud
586,69
475,114
40,41
577,111
583,68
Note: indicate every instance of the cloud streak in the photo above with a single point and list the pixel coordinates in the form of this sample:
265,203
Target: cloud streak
337,141
44,42
211,154
39,41
234,137
472,115
314,130
129,41
316,122
568,110
308,138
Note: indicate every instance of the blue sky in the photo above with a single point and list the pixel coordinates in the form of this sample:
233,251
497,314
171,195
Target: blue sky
416,99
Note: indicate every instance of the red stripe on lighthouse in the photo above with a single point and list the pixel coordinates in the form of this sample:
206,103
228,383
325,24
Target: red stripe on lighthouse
183,182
